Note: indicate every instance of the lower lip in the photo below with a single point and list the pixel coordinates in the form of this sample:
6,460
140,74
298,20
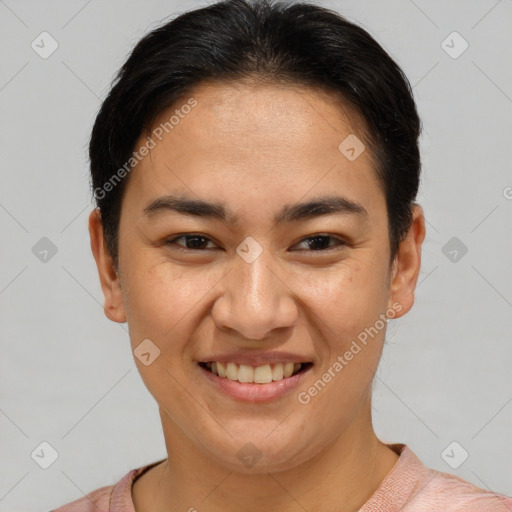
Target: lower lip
252,392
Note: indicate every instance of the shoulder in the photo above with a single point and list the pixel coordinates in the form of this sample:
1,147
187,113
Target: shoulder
413,487
110,498
95,501
449,493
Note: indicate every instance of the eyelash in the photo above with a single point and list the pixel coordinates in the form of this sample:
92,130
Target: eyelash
339,243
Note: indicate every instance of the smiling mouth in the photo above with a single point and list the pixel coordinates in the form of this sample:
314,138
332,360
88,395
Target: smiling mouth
263,374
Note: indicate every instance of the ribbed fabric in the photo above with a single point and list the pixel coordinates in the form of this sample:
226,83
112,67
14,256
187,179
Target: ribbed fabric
408,487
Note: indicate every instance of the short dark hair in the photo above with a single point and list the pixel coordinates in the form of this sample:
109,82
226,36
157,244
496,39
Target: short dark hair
275,42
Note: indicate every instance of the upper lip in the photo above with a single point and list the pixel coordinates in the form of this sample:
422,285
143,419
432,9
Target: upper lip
257,358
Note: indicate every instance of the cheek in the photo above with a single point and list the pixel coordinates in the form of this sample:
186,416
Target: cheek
349,305
347,297
161,300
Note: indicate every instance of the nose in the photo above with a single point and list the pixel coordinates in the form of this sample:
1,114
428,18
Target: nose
255,299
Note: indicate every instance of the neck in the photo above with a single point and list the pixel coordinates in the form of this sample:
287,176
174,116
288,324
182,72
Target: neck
341,478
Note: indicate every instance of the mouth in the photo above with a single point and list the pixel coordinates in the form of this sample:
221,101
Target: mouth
262,374
256,377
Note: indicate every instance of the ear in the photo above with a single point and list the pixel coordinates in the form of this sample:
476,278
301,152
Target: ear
407,263
109,279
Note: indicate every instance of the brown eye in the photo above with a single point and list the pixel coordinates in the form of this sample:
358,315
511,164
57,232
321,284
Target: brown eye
192,242
318,243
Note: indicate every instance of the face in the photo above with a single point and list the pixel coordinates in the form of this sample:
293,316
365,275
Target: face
288,263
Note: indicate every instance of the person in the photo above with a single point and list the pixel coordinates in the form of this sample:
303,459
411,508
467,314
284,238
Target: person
255,167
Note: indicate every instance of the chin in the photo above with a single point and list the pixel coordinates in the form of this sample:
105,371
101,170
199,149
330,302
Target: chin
264,453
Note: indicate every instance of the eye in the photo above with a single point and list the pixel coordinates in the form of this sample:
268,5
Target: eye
193,242
318,242
198,242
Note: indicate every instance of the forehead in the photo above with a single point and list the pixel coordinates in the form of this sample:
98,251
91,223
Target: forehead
247,116
275,143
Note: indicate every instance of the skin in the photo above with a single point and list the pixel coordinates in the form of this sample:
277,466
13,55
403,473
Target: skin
256,148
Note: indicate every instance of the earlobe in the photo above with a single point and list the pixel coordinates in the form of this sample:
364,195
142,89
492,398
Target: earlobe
109,279
407,264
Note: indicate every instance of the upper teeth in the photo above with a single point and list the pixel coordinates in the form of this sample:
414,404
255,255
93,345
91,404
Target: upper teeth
258,374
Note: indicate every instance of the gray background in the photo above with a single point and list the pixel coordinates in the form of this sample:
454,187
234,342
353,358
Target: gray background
67,375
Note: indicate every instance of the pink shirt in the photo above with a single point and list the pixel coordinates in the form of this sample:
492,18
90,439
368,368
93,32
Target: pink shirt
408,487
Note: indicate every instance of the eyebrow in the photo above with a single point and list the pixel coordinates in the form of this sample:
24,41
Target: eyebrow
316,207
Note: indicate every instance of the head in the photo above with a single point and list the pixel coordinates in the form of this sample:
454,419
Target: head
255,167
